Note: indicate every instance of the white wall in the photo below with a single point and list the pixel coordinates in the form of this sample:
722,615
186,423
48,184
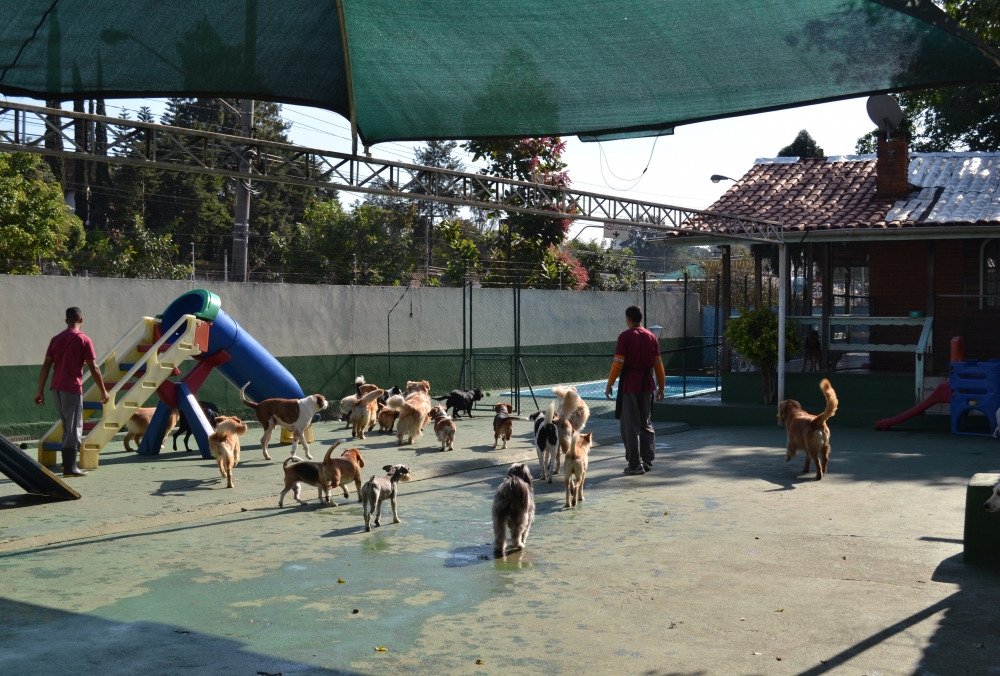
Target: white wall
302,320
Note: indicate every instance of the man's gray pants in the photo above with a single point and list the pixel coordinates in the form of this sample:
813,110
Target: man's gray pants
637,428
70,407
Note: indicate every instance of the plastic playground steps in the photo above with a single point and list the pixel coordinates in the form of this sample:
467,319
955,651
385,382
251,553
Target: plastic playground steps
33,477
975,390
133,369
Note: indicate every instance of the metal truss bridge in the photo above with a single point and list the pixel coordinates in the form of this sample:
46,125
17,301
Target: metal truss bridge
48,131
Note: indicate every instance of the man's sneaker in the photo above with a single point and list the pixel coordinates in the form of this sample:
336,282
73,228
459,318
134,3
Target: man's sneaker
635,471
647,467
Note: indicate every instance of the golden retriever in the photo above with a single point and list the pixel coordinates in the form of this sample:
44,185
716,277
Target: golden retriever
225,445
412,409
364,412
809,432
139,422
572,408
576,467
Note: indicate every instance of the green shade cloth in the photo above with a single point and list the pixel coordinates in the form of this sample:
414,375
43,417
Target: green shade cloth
482,68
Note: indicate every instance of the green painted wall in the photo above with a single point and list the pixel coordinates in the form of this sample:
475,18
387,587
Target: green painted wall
854,390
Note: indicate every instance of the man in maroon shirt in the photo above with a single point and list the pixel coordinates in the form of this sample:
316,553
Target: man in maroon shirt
69,351
637,352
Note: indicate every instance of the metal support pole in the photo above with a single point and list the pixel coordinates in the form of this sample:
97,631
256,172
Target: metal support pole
684,340
715,334
726,302
472,373
644,299
931,291
517,347
782,305
241,228
827,272
464,384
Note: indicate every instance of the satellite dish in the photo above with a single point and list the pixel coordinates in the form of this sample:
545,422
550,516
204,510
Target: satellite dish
884,112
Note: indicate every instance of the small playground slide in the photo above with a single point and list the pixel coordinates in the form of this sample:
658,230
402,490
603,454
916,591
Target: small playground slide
940,395
27,473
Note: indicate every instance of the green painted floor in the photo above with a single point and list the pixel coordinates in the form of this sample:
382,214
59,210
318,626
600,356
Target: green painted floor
720,562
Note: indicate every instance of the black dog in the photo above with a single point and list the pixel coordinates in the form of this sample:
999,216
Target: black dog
211,412
461,400
389,393
812,350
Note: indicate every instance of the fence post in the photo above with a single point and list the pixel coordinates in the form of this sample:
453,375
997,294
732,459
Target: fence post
472,373
715,331
464,384
684,340
516,375
643,299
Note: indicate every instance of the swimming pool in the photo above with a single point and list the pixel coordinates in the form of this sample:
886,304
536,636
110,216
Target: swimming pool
595,389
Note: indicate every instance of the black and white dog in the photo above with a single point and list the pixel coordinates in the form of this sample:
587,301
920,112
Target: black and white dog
394,390
211,412
461,400
546,441
513,508
378,489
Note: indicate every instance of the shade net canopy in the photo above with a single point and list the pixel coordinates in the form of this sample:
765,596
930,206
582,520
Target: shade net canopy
422,69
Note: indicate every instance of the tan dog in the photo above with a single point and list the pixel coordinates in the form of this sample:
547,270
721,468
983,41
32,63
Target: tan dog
809,432
444,428
348,402
295,415
503,424
225,445
336,472
139,423
572,408
576,467
364,411
412,409
386,419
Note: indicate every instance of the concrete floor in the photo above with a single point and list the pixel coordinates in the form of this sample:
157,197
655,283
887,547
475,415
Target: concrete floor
721,561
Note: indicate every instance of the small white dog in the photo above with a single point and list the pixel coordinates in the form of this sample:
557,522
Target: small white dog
993,504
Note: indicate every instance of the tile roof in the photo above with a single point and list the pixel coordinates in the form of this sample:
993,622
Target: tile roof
839,193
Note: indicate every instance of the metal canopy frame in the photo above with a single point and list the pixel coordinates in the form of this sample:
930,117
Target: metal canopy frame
139,143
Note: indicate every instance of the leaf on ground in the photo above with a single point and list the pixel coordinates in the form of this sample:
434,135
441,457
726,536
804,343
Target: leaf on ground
480,662
779,610
381,649
777,657
341,580
754,652
665,513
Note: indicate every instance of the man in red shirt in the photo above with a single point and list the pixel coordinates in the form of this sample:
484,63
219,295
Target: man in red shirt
637,352
69,351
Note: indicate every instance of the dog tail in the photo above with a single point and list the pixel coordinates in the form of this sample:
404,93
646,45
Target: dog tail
330,450
246,401
358,382
572,445
370,397
831,402
291,459
441,398
552,413
395,402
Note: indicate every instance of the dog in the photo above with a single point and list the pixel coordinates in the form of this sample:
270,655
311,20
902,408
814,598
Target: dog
295,415
348,402
993,504
392,391
572,408
211,412
225,445
139,422
302,471
503,424
338,472
412,409
812,350
546,440
576,467
809,432
461,400
364,412
387,419
513,508
377,489
444,428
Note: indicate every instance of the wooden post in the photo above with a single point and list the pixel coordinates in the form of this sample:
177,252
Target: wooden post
727,307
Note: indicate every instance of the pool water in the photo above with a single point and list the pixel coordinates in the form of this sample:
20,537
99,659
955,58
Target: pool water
674,388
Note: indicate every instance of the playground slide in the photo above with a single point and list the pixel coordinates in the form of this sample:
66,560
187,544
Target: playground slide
233,353
31,475
940,395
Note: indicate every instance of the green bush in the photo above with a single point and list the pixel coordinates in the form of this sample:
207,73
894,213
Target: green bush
754,335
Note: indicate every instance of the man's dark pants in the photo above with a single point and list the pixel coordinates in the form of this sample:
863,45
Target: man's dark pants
637,428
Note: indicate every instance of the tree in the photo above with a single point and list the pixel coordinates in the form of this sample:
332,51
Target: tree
434,154
132,252
608,268
754,334
462,253
523,244
328,242
804,145
955,118
35,223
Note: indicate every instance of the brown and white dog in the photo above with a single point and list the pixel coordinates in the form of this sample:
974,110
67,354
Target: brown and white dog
576,467
503,424
809,432
572,408
412,409
364,411
444,427
325,476
295,415
139,423
387,419
225,445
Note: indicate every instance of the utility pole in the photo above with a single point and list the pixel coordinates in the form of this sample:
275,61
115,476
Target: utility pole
241,228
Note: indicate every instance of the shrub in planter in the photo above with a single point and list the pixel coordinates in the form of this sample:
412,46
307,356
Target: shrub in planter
754,334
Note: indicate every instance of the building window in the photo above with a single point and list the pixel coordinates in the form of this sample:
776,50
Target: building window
990,284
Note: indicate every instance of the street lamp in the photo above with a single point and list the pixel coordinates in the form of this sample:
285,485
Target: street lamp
719,177
655,329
